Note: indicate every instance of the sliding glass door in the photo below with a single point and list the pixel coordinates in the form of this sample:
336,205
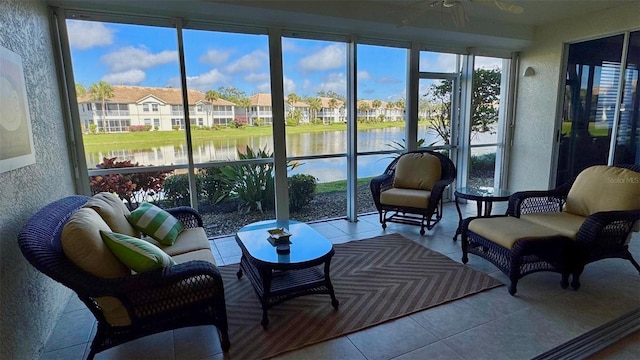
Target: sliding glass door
600,112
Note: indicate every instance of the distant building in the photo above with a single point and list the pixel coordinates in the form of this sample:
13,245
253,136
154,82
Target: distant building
159,108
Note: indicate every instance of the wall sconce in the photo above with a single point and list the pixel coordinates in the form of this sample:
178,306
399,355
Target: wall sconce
529,71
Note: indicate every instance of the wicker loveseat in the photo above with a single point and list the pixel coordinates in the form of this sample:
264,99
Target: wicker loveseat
562,230
412,188
127,305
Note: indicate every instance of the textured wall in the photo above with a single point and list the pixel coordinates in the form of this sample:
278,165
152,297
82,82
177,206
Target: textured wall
537,95
30,303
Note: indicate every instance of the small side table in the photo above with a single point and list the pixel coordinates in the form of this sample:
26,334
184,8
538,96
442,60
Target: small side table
484,196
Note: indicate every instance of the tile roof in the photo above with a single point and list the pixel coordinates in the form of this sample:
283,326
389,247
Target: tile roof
133,94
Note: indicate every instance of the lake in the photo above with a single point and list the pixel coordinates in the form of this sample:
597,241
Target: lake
303,144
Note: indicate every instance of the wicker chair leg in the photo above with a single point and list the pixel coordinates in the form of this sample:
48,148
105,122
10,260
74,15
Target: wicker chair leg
514,274
565,280
383,219
575,282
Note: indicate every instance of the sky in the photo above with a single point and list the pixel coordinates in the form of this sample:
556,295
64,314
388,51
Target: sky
122,54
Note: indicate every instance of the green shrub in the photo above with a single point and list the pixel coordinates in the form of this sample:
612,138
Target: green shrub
301,190
215,186
176,190
253,184
483,162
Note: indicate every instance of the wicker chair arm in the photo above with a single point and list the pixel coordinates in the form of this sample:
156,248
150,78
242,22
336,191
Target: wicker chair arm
189,216
607,228
170,289
147,281
379,184
537,201
437,189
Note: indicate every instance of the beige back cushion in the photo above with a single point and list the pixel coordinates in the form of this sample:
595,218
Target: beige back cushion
604,188
417,171
114,213
83,245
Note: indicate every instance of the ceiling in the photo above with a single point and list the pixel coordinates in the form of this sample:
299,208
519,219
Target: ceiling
469,24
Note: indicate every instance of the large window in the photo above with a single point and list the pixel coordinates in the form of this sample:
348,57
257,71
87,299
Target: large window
208,133
381,108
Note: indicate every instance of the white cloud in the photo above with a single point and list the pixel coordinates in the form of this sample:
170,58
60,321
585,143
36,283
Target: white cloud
215,57
364,75
335,82
488,63
136,58
441,63
289,86
131,77
264,88
250,62
289,45
207,81
254,78
87,34
330,57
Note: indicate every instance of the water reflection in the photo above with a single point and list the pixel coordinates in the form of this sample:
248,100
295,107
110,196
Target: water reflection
304,144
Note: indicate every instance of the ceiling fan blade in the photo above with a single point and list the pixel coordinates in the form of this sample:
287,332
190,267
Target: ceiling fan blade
508,7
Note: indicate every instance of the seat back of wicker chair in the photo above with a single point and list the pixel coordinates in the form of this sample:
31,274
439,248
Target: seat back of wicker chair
40,243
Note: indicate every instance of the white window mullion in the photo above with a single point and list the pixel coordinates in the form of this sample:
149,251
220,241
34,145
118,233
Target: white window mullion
352,130
278,125
466,85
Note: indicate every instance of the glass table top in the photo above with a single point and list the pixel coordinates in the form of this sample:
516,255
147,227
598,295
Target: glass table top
306,244
483,192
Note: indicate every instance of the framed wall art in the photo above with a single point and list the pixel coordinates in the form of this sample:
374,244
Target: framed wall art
16,137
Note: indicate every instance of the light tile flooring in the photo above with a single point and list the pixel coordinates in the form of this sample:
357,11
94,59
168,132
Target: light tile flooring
489,325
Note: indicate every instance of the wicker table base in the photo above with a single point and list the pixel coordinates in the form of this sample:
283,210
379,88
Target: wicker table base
282,277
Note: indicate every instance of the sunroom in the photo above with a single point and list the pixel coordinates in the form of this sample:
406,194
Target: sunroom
509,95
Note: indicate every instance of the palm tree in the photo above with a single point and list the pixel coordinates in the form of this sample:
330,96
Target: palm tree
333,104
101,91
245,103
211,95
292,99
376,104
390,106
315,104
364,107
81,91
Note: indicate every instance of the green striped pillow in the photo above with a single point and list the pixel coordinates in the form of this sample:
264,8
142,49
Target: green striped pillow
137,254
157,223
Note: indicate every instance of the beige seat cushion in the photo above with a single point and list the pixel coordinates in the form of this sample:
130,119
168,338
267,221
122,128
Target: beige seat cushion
604,188
417,171
114,312
191,239
566,223
506,231
406,197
114,213
83,245
205,255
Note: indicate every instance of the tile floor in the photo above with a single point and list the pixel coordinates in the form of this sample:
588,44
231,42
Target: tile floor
489,325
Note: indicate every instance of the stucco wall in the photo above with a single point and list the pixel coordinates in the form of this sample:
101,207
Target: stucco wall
532,154
30,303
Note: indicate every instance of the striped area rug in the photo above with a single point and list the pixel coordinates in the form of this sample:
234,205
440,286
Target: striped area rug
375,280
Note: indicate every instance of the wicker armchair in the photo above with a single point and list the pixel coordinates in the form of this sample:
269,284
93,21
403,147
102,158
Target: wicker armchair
421,207
186,294
549,246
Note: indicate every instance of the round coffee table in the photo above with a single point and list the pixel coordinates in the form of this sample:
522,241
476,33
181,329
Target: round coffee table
277,276
484,196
